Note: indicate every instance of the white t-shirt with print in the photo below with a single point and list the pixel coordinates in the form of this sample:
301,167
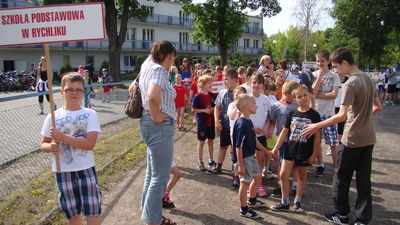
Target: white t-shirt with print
329,81
263,109
75,123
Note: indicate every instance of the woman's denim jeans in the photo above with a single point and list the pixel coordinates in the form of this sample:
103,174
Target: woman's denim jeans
158,138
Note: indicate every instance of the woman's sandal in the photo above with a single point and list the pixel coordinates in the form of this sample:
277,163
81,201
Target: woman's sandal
166,221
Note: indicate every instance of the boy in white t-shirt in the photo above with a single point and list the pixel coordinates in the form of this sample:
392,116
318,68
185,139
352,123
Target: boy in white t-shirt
325,88
74,137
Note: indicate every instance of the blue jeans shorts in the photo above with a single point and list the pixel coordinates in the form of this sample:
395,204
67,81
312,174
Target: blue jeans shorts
252,169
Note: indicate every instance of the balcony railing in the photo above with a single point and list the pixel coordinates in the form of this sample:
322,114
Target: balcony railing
166,20
186,22
253,30
145,46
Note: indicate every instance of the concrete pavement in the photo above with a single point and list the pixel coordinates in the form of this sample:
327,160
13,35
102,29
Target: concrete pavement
208,199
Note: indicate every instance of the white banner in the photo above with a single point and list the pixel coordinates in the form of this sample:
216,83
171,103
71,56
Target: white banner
53,23
217,86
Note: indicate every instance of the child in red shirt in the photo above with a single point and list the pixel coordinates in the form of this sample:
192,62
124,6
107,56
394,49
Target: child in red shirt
179,101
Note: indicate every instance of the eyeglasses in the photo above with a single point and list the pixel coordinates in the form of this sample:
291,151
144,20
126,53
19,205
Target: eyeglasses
73,91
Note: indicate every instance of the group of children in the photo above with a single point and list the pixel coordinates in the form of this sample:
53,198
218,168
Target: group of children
245,116
282,108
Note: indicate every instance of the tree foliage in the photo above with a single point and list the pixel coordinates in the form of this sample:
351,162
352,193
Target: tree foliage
220,22
237,60
370,22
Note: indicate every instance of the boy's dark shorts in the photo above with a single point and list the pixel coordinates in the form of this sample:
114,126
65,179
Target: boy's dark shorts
79,191
282,150
225,137
391,88
297,162
205,133
262,140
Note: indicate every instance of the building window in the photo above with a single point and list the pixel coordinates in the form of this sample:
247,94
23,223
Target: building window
247,43
183,18
183,40
66,60
79,44
255,26
129,61
4,4
247,28
9,65
151,11
148,38
131,34
90,60
255,44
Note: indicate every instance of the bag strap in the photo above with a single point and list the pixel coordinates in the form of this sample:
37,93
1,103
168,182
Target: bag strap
137,78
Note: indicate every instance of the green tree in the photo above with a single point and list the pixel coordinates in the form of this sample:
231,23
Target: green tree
220,22
293,46
370,22
237,60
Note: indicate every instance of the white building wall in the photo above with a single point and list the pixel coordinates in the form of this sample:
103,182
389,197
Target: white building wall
134,46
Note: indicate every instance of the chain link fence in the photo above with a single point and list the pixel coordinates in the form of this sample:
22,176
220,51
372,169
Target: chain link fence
21,159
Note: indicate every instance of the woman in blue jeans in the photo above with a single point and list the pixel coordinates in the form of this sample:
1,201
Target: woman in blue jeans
157,127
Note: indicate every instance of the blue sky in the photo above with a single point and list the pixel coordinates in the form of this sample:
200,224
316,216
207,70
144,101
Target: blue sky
285,18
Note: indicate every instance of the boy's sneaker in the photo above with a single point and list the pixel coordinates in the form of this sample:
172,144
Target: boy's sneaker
267,173
261,192
336,218
359,223
235,185
297,207
200,167
280,207
320,171
277,192
250,214
212,163
216,170
256,204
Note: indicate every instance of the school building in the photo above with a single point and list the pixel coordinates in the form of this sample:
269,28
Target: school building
166,21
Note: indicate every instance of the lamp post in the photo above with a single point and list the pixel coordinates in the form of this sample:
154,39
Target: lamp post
273,48
314,48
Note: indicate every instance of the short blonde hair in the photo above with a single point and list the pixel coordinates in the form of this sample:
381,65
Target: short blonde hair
264,58
71,77
203,80
178,75
289,86
241,70
242,98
